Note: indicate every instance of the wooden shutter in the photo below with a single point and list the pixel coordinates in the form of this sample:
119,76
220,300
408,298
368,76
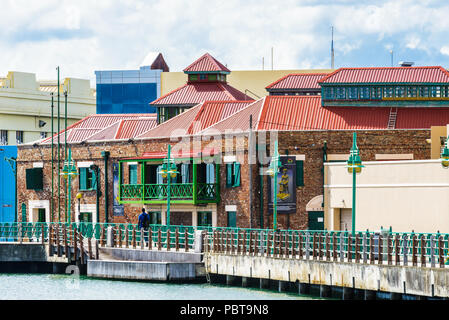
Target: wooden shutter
236,174
83,178
133,174
229,175
299,173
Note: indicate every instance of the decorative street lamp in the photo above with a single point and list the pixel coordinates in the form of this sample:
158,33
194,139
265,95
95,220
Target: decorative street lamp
79,195
354,166
168,171
68,171
273,171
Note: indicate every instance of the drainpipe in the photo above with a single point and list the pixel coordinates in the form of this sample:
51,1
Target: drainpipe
105,155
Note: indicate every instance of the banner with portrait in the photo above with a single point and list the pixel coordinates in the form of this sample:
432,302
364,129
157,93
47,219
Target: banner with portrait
286,187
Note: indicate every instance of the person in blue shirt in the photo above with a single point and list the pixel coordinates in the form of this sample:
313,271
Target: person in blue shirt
144,222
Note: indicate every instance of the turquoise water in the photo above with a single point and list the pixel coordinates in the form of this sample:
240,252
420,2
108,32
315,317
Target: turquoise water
70,287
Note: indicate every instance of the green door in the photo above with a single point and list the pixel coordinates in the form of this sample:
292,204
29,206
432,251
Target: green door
41,215
316,220
86,217
232,219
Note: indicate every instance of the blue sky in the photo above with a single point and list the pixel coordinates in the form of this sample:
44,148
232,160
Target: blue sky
84,36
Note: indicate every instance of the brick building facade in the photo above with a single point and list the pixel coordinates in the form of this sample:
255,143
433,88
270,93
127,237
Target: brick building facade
308,144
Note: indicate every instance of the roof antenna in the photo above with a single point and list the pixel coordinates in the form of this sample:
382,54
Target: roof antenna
332,48
272,58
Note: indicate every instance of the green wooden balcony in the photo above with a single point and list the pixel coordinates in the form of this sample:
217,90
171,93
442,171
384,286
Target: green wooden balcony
179,193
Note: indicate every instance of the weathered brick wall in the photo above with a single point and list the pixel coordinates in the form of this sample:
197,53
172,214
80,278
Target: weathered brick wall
309,143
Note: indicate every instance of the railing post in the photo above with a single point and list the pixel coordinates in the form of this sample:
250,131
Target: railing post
389,256
371,249
441,251
66,246
150,239
379,249
50,240
168,239
350,247
126,236
244,243
97,253
396,250
432,251
273,245
142,238
43,234
250,247
186,241
423,251
81,239
294,245
119,237
58,241
89,247
238,242
334,247
357,257
405,250
75,246
342,247
102,236
364,247
299,245
159,239
177,239
307,245
286,244
134,238
414,251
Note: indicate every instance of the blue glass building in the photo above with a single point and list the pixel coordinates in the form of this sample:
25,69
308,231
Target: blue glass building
127,91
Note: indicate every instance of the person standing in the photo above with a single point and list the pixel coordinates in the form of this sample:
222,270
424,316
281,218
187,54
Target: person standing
144,222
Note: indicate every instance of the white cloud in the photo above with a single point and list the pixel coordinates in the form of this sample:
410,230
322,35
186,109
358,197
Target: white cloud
445,50
85,36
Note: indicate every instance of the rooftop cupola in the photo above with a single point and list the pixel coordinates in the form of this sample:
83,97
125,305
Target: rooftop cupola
206,69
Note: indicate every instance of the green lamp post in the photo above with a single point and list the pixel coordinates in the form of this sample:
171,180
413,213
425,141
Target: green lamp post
354,166
168,171
273,171
68,171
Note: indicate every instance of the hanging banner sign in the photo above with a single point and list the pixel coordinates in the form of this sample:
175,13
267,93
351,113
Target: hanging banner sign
118,209
286,187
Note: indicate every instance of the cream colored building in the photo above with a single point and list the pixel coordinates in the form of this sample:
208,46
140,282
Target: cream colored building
251,82
25,106
405,194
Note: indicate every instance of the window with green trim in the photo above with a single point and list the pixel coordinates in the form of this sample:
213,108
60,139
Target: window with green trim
204,219
412,92
193,77
353,93
87,179
376,92
399,92
233,174
364,93
212,77
341,93
424,92
132,168
388,92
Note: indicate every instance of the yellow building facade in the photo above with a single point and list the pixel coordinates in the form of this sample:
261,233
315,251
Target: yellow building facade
25,106
250,82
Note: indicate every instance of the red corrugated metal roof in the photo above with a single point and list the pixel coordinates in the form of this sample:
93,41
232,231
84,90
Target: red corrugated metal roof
125,129
91,125
194,93
206,63
306,113
240,120
213,111
298,81
175,126
434,74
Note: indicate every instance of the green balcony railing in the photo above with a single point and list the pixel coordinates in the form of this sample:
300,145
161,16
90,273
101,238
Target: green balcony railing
138,193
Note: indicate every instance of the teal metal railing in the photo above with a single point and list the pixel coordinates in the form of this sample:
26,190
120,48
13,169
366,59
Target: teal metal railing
384,247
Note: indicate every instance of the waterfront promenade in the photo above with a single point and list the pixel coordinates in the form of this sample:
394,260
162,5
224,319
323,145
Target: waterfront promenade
397,264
